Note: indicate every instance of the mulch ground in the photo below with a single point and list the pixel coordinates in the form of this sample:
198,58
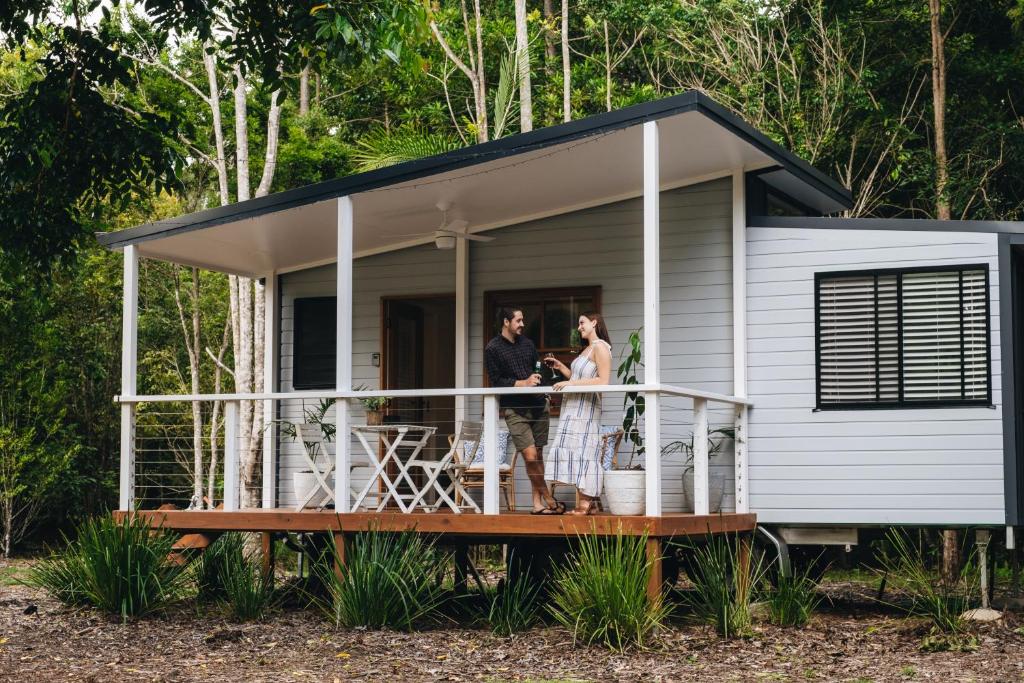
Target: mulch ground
851,640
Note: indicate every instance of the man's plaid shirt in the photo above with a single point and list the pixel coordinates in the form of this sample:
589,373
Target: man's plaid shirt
508,362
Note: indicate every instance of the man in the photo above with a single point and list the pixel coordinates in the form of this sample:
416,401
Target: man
511,359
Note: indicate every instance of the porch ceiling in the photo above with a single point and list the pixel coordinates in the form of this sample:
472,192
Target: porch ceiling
591,168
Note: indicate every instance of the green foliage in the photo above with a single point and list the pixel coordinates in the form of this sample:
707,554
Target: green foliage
601,594
209,568
387,580
633,403
248,590
723,587
514,605
120,567
380,147
942,604
793,599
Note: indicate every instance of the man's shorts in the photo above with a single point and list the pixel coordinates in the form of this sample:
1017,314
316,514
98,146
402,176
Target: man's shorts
528,426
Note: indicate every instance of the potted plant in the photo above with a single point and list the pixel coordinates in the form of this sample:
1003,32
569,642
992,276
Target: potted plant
374,406
304,481
625,489
716,481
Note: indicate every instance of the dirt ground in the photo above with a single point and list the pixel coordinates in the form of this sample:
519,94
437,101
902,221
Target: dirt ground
849,640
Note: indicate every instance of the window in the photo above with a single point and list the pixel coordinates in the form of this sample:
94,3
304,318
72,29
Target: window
903,338
315,343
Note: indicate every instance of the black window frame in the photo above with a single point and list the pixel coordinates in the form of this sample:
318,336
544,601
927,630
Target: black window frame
303,376
900,403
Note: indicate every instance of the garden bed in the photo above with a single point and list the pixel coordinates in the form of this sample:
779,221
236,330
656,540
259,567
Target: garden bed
852,641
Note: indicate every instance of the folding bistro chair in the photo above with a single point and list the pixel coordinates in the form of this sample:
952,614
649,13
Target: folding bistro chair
472,455
611,439
454,467
314,448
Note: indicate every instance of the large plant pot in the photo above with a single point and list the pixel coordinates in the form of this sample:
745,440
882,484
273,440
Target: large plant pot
716,491
303,482
625,491
374,417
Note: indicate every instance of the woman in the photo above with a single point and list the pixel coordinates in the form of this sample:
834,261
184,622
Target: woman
575,457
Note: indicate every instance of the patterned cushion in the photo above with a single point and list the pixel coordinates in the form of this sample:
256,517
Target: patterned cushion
609,446
478,457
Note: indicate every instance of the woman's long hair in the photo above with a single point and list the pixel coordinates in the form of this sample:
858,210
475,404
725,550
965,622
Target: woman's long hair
602,329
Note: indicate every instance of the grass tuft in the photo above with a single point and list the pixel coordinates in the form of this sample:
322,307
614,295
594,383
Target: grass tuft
209,567
724,582
793,599
248,590
514,605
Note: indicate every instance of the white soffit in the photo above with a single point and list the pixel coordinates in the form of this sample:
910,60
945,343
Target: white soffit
602,168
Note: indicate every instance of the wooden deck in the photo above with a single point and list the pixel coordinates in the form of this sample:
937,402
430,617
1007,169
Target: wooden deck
509,524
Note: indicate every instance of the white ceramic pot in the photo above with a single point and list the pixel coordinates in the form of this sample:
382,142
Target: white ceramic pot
716,491
303,482
625,491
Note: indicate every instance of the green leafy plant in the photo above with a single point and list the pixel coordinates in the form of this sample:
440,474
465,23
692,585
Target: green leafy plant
248,589
373,402
724,578
382,147
715,445
208,568
942,604
793,599
387,580
601,594
314,415
514,605
120,566
633,404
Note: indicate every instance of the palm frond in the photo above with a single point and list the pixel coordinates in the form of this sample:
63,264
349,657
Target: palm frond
382,147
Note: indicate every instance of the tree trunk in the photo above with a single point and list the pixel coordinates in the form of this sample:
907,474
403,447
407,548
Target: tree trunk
304,91
218,126
607,69
950,557
566,70
549,33
523,67
481,76
218,370
942,211
241,136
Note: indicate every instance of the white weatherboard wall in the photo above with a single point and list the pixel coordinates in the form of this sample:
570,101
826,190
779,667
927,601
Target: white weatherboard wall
597,246
911,466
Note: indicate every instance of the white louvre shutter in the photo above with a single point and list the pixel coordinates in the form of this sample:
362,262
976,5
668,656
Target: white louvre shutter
926,331
945,355
858,340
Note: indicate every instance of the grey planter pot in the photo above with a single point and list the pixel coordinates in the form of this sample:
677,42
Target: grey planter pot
716,491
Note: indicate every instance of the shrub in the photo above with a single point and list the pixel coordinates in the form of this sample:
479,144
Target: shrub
601,594
387,580
722,587
514,605
209,567
248,590
940,603
121,567
793,599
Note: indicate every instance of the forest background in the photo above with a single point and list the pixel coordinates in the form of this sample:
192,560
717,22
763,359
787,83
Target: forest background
115,114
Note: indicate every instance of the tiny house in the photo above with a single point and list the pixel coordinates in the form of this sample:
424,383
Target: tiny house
856,372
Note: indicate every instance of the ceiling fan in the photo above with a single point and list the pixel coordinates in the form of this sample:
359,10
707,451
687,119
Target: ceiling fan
448,233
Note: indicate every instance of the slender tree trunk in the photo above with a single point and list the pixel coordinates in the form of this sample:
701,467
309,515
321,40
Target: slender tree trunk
942,211
481,76
191,334
566,69
950,556
211,485
607,69
304,91
549,34
218,126
523,67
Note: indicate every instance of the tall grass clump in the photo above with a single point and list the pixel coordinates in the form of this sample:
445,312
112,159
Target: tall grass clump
942,604
514,605
724,578
793,599
601,594
119,566
209,567
248,589
386,580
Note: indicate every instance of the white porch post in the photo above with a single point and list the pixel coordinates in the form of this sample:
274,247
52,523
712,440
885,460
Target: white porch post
490,437
739,334
270,347
652,316
129,374
343,373
700,457
231,481
461,327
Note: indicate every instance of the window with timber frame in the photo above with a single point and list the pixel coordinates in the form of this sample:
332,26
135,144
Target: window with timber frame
903,338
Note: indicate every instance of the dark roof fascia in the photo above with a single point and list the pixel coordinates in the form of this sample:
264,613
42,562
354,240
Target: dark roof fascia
478,154
913,224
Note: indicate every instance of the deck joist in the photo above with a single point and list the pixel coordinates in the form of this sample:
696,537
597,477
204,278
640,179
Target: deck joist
514,524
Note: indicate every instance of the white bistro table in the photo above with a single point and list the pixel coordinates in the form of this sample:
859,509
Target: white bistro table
393,436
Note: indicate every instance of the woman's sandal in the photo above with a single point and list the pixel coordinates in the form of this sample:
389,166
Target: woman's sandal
559,509
590,509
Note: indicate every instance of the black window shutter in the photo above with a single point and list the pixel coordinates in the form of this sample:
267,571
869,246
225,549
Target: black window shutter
314,356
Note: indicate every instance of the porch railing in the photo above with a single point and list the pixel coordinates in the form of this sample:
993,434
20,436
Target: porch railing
150,420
